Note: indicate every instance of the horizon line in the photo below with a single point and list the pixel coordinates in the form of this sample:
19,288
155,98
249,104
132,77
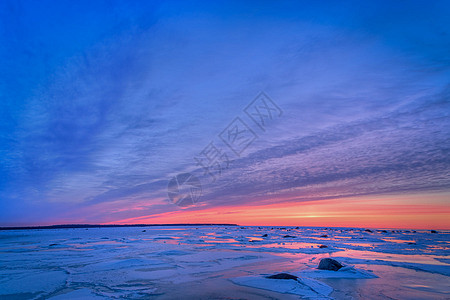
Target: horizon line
73,226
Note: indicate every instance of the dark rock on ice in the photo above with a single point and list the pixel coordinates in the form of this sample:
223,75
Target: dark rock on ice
324,236
368,230
288,236
329,264
264,235
434,231
323,246
282,276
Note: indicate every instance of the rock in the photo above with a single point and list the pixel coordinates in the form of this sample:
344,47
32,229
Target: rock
144,230
368,230
288,236
434,231
324,236
282,276
264,235
329,264
323,246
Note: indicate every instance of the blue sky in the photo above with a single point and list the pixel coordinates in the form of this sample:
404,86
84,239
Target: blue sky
102,103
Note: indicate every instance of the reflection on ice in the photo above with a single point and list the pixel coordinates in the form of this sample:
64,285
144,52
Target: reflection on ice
284,245
398,241
373,255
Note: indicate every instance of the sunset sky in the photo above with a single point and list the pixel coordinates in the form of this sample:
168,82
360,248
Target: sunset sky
104,102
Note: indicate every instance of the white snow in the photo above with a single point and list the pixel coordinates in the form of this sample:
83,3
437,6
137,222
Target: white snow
303,287
345,272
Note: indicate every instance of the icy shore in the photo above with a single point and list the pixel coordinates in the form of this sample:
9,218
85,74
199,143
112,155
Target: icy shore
222,262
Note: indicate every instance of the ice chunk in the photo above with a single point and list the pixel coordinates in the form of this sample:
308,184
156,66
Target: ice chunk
302,286
344,272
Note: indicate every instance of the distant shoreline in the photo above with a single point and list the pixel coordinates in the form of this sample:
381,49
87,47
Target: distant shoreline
73,226
67,226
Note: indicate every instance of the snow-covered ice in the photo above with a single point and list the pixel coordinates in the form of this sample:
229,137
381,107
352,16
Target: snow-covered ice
222,261
305,287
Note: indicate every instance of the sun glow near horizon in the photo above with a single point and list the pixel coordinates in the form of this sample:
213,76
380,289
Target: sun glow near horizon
375,212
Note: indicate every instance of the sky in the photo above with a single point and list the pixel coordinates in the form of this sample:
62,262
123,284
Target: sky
302,113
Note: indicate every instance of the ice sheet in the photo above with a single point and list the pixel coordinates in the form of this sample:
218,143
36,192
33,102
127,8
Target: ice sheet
127,262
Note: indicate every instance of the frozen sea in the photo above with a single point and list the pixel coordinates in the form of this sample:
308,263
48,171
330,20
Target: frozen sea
222,262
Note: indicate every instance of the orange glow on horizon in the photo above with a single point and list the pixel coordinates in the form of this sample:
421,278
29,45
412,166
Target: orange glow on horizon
372,213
